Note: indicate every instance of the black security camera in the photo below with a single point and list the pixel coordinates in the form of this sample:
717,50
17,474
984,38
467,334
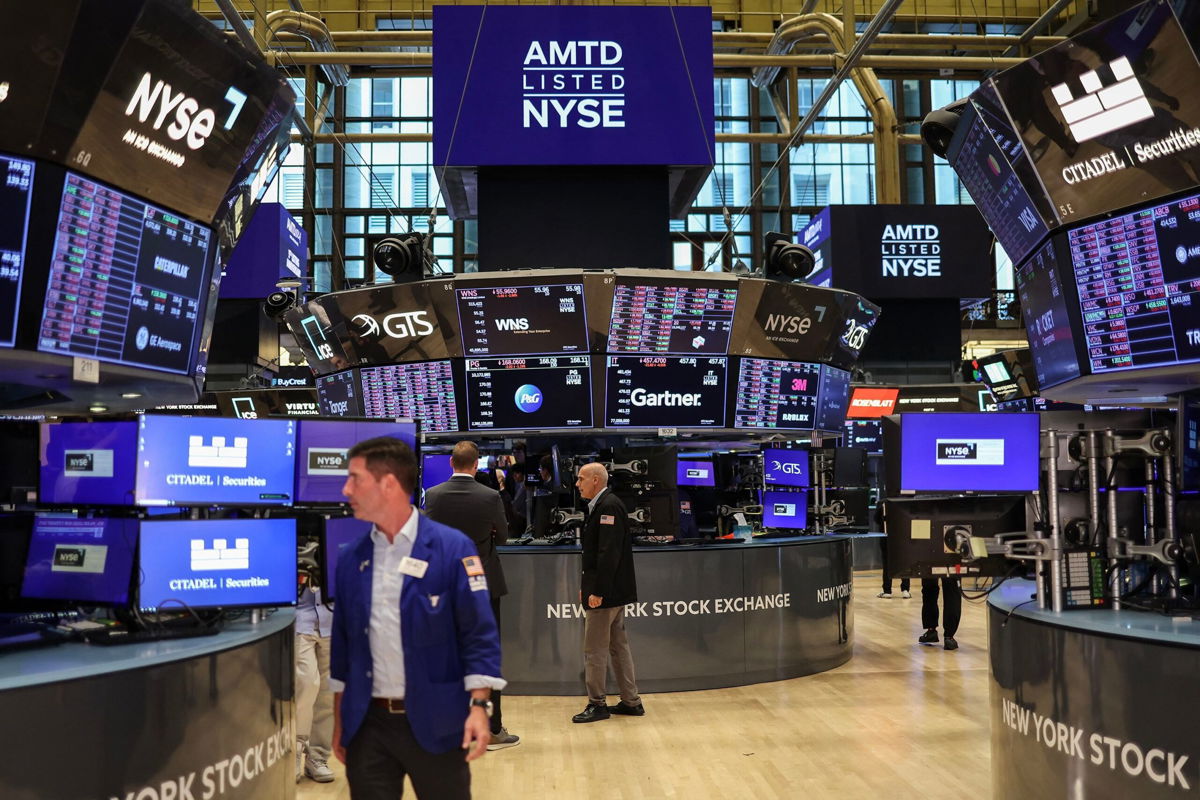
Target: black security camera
401,256
279,302
786,260
937,129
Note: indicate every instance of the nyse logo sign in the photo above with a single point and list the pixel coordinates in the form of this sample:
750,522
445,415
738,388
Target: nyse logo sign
1112,99
88,463
79,558
327,461
911,251
573,84
401,325
979,452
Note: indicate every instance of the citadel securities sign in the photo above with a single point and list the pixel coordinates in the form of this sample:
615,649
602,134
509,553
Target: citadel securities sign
538,85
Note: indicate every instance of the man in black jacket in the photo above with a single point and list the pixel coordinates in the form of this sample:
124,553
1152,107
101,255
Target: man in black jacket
607,585
463,503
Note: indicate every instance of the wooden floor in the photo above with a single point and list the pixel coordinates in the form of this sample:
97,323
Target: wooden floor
898,720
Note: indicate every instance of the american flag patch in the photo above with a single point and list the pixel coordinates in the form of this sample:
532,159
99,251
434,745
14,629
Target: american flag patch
473,566
608,519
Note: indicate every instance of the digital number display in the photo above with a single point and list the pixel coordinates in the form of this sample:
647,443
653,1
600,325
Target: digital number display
422,391
15,195
665,391
1047,325
127,282
529,393
523,320
671,318
777,394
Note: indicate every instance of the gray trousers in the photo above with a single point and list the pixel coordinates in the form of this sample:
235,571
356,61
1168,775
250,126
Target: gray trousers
604,636
314,700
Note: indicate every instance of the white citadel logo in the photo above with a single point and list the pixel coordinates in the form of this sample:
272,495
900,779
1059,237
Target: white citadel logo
1103,109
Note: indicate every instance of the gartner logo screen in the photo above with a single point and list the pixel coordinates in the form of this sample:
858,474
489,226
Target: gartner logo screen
322,446
665,391
89,463
785,467
983,452
214,461
210,563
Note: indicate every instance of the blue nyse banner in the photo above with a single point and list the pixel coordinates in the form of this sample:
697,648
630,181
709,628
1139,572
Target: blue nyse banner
538,85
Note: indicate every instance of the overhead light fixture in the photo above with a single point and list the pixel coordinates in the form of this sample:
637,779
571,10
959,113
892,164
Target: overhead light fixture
403,257
787,260
130,395
937,129
97,408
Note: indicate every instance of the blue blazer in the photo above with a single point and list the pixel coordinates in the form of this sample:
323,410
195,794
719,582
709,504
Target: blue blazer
442,642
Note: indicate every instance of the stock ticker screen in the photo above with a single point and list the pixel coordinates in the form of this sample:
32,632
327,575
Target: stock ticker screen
1044,306
529,393
423,391
15,197
671,318
523,320
665,392
127,280
777,394
338,395
833,398
1138,278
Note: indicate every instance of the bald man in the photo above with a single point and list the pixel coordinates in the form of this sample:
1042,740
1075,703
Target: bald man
607,585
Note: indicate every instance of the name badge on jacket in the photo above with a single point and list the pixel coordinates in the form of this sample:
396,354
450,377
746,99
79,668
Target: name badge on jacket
413,566
608,519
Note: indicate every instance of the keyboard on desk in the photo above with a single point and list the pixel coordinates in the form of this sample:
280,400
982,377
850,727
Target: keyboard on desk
123,635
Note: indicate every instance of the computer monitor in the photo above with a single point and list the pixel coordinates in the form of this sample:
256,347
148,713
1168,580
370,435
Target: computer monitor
785,467
339,532
927,536
971,452
695,473
531,393
217,563
865,434
80,560
787,510
88,463
1188,441
435,469
215,461
321,447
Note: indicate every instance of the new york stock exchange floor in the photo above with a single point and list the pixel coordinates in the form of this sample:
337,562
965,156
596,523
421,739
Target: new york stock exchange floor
898,720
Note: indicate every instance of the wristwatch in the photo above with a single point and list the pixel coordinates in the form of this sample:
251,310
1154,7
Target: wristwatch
486,705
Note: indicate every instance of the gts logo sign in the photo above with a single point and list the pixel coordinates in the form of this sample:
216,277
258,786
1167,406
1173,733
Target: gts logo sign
191,123
974,452
519,324
787,467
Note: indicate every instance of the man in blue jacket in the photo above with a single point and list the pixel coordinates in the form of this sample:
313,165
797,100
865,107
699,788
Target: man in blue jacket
414,652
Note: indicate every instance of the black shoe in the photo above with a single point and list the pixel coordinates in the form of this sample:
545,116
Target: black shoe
628,711
593,713
928,637
950,643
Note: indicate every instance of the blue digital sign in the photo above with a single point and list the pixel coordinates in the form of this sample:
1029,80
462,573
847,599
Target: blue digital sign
226,563
85,560
273,246
695,473
215,461
785,509
88,463
541,85
321,453
339,532
785,467
969,452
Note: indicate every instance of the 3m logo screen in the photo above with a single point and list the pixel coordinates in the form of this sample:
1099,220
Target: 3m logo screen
221,556
218,454
1112,99
979,452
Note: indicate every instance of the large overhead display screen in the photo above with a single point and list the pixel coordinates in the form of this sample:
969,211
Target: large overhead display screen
777,394
1047,324
671,317
529,393
338,395
422,391
523,320
15,194
1138,278
664,392
127,281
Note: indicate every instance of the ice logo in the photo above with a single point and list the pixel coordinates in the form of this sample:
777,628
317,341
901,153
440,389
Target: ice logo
529,398
143,338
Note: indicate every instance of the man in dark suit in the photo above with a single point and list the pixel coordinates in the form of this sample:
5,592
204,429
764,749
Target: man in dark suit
463,503
607,585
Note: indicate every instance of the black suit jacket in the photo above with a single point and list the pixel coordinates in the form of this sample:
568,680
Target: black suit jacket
608,554
477,511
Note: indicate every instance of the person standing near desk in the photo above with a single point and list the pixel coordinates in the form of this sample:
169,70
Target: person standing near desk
464,504
415,652
608,584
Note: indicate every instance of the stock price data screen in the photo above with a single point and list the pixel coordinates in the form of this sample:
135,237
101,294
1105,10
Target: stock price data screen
127,281
777,394
1138,277
680,319
423,391
338,395
14,230
1046,322
529,393
664,392
523,320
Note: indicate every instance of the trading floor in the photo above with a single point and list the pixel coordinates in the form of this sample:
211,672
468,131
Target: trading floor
898,720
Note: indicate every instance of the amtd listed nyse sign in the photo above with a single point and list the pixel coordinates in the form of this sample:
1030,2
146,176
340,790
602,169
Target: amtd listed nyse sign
911,251
575,83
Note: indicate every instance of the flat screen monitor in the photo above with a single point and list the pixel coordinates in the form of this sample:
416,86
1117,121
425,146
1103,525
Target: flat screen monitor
926,536
128,281
80,560
985,452
339,532
435,469
423,391
88,463
777,394
872,402
217,563
321,447
665,392
785,509
865,434
671,316
784,467
695,473
339,395
1188,445
535,393
533,319
1047,321
1138,281
215,461
833,398
16,194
